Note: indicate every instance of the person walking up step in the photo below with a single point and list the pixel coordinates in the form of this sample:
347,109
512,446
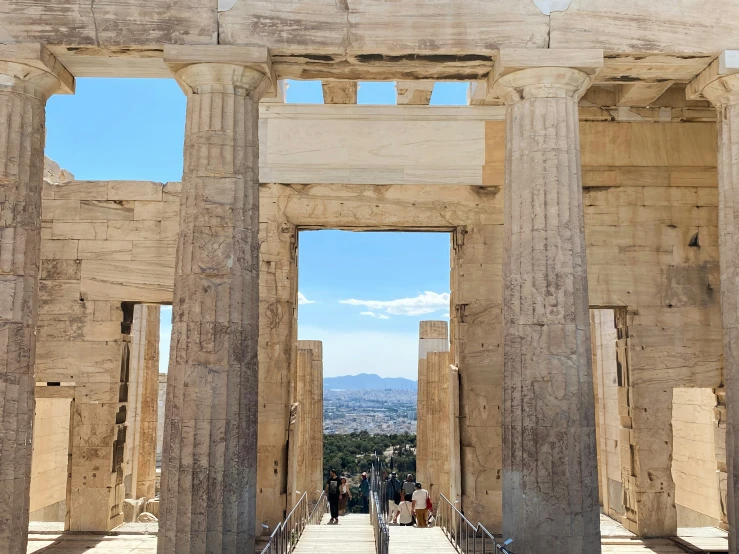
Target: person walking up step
333,491
364,486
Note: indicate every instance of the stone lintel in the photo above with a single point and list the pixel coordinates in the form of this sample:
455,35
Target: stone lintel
178,57
36,55
339,92
414,93
726,64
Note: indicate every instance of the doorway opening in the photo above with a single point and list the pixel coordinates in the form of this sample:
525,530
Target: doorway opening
364,296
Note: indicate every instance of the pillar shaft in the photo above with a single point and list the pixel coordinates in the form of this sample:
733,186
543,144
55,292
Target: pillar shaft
210,444
146,469
433,336
314,471
724,94
550,473
24,89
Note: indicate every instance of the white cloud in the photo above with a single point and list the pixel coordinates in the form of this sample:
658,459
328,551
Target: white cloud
445,315
387,354
425,303
373,314
303,300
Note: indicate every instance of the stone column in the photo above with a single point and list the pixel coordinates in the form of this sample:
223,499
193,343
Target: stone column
550,472
146,469
301,448
314,472
29,75
433,336
724,94
210,438
438,430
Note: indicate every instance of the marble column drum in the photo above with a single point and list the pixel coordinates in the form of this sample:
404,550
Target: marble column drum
210,440
724,94
550,473
24,89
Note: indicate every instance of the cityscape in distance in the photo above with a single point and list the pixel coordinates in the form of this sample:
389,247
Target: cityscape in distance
368,402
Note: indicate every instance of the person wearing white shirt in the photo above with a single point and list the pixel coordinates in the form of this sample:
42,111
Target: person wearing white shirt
420,500
405,512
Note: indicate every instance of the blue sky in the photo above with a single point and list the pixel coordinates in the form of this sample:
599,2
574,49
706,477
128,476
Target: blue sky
363,294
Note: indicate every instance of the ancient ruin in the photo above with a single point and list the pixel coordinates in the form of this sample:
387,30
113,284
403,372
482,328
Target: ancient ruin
589,190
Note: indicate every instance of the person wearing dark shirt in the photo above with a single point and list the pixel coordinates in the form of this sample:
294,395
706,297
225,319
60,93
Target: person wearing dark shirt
364,486
333,490
409,486
392,491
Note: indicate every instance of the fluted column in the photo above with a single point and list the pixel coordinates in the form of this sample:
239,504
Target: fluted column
210,439
724,94
29,75
550,473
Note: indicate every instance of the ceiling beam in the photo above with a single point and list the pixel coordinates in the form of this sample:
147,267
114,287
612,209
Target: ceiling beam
414,93
640,95
339,92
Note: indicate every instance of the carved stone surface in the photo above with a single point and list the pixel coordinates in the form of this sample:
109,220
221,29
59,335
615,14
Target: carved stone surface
550,471
24,89
209,473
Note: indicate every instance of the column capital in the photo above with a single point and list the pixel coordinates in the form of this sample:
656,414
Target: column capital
542,82
543,73
719,82
244,67
29,68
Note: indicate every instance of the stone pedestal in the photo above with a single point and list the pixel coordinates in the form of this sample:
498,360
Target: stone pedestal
28,76
210,438
724,94
550,472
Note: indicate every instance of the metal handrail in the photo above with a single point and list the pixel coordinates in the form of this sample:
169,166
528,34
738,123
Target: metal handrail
320,508
377,517
285,536
465,537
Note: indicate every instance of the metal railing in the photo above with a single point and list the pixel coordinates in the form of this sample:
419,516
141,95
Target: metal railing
285,537
377,517
320,508
465,537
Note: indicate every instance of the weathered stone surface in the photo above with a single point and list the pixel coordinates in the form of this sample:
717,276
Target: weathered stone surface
433,336
550,471
724,94
314,471
148,415
29,76
209,469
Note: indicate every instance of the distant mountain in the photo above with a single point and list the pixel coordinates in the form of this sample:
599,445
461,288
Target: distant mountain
367,381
